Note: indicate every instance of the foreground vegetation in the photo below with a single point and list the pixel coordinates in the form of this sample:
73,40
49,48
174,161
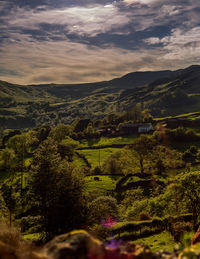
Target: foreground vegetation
131,187
162,241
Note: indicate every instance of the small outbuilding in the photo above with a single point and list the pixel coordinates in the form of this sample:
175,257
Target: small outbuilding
131,128
145,128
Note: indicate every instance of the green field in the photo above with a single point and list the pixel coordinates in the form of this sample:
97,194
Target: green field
162,241
78,161
109,141
105,183
190,115
32,237
97,157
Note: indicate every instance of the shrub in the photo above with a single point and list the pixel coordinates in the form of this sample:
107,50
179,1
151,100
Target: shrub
182,133
97,170
101,208
179,228
144,216
31,224
133,212
99,231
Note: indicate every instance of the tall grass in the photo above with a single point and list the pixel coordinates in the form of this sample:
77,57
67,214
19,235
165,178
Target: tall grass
10,236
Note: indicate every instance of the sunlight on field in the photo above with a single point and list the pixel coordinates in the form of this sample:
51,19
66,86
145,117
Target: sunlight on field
102,185
109,141
160,241
97,157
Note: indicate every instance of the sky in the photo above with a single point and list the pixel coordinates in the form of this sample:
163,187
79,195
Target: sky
78,41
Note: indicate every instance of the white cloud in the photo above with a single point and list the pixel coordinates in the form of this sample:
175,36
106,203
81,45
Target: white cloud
33,61
164,13
140,1
183,44
180,46
3,4
90,20
63,61
170,10
152,40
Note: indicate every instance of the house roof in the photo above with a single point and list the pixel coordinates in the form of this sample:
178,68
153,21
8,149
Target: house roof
145,125
137,125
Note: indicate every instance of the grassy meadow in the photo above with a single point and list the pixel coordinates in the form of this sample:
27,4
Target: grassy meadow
162,241
103,141
96,157
105,184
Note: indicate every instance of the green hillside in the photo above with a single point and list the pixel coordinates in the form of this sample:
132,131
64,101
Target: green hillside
163,92
168,96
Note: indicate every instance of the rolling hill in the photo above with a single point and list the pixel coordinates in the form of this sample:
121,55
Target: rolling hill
163,92
176,94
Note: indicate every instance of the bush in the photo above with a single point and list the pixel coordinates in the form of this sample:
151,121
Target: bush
31,224
144,216
97,170
101,208
182,133
99,231
133,212
179,228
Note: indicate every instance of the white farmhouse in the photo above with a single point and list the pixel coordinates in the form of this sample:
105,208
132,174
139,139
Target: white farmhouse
144,128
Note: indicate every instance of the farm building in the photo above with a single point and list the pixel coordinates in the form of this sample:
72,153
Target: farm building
145,128
137,128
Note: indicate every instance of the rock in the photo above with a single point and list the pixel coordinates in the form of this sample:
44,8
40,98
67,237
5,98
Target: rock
128,250
75,245
165,255
81,245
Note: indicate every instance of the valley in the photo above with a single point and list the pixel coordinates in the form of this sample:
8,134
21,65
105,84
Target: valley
164,93
124,152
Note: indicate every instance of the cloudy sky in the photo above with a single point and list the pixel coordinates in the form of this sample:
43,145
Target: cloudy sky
74,41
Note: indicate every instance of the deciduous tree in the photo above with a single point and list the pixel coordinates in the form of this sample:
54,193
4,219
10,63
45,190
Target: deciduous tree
7,157
143,148
189,188
7,194
56,188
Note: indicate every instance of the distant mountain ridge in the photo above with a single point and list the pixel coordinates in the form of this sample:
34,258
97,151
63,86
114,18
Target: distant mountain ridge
163,92
130,80
172,95
137,79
